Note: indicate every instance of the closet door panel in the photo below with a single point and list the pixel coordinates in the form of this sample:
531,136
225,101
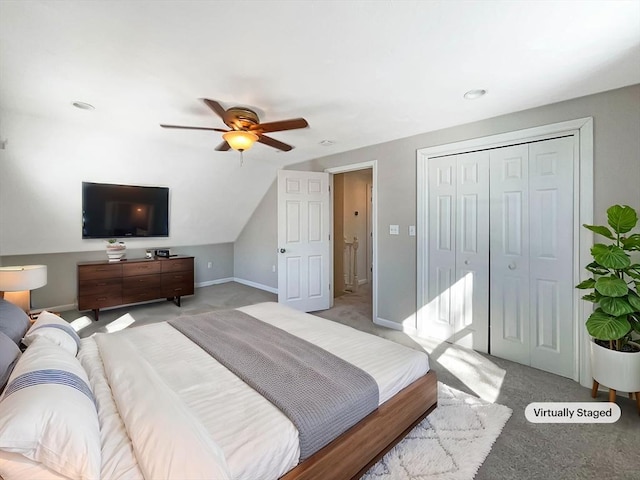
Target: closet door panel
551,251
440,322
471,293
509,245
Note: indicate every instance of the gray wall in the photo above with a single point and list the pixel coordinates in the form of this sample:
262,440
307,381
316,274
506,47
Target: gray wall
61,287
255,250
616,117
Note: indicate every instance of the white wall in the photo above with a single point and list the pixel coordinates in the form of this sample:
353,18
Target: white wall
45,161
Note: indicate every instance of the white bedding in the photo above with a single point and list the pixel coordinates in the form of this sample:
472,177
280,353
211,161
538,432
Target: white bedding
214,407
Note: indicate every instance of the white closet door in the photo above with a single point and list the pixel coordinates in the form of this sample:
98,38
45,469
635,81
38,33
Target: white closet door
531,241
509,245
457,310
440,321
551,255
471,290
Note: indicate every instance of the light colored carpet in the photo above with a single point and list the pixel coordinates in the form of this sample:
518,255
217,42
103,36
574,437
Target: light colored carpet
450,444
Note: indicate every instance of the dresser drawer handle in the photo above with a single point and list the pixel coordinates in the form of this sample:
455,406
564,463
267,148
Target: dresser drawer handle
101,284
101,298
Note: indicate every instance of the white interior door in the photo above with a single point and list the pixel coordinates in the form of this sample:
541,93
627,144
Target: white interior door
458,274
303,240
439,321
532,254
472,251
551,255
509,244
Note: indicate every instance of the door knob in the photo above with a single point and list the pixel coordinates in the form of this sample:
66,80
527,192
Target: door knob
467,262
512,266
282,250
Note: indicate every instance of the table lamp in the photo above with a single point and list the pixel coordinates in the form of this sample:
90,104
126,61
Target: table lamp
17,282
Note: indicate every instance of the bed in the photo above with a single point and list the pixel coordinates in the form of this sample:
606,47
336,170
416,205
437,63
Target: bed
167,409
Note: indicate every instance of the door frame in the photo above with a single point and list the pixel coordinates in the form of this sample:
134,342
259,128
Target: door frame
373,165
582,131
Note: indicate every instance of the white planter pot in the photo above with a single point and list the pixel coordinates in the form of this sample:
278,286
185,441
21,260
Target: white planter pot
619,371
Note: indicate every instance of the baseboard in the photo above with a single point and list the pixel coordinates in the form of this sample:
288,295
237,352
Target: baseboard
249,283
387,323
402,327
56,308
218,281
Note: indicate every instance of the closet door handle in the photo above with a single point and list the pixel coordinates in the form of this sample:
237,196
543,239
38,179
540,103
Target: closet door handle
467,262
512,266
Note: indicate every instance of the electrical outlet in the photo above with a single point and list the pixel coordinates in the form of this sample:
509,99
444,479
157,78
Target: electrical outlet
394,229
412,230
210,264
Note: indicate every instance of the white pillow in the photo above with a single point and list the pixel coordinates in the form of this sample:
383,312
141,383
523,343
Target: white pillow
56,329
48,412
14,466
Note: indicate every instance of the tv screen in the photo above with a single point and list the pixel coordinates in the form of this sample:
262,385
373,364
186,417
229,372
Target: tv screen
117,211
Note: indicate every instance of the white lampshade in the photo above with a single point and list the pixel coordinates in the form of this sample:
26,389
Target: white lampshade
20,278
16,283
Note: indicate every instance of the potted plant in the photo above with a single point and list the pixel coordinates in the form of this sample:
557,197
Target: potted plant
614,325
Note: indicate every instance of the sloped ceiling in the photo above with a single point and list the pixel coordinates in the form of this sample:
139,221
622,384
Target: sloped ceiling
361,72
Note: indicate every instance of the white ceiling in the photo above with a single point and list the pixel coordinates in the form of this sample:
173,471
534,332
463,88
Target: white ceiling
361,72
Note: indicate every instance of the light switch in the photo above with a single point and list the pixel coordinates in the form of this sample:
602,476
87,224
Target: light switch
394,229
412,230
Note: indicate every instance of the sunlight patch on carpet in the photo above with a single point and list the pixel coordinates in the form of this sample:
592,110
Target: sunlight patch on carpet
451,443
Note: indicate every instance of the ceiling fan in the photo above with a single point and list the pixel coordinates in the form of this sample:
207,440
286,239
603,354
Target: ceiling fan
246,128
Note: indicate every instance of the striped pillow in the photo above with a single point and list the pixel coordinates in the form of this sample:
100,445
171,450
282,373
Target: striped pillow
48,413
56,329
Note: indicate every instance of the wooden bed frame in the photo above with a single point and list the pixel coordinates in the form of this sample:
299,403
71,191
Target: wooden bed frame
350,455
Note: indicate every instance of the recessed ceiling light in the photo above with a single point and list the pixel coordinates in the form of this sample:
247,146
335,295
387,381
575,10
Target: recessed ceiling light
473,94
326,143
83,106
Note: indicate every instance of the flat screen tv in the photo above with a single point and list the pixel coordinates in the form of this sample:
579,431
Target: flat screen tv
118,211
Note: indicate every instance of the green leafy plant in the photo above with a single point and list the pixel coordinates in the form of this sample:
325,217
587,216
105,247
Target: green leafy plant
615,281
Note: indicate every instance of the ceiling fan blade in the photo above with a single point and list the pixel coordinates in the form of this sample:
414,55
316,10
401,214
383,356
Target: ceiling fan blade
272,142
193,128
215,106
290,124
223,147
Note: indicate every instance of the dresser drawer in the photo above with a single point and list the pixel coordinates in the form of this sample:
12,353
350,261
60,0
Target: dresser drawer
93,272
106,285
99,300
139,295
140,268
177,284
177,265
147,281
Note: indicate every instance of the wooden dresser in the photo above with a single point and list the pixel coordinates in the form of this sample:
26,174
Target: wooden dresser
109,284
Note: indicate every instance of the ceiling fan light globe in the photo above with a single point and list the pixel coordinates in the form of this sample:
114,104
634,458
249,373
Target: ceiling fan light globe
240,140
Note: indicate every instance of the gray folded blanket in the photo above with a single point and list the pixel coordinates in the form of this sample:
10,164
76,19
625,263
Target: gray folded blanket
322,394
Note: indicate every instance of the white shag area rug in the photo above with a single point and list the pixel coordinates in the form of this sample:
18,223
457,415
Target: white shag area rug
450,444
